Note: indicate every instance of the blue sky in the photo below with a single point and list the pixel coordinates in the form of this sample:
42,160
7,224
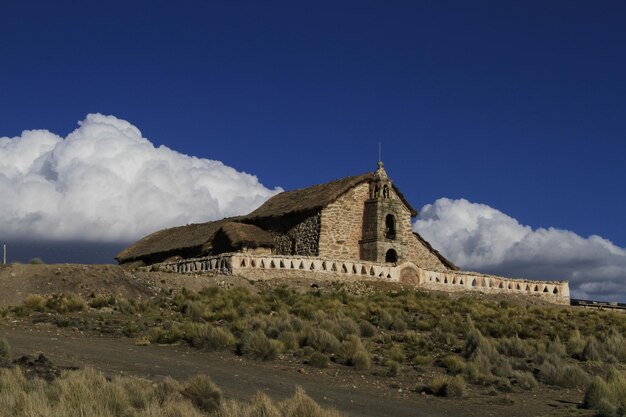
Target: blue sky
519,106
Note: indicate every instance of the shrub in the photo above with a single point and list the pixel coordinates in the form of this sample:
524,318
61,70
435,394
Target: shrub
125,307
397,354
591,351
399,325
422,360
321,340
260,406
172,335
555,372
475,342
443,337
457,387
203,393
301,405
36,261
361,360
367,329
515,347
502,367
453,363
289,340
209,337
393,368
384,319
524,380
412,338
439,384
349,349
100,302
445,386
615,344
132,329
318,360
347,327
260,347
596,392
167,390
607,398
5,349
556,347
478,376
195,310
65,303
575,344
34,302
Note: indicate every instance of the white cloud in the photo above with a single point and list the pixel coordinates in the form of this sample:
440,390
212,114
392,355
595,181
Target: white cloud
481,238
105,182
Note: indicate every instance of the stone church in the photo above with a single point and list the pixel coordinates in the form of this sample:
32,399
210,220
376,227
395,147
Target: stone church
357,227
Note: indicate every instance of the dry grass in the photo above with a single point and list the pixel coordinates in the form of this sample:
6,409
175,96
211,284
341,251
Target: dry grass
88,393
496,344
607,397
446,386
258,346
5,349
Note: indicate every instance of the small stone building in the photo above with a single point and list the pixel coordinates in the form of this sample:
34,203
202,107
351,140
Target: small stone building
354,226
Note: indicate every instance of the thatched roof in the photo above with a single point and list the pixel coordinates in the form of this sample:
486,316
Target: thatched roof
172,239
241,234
314,198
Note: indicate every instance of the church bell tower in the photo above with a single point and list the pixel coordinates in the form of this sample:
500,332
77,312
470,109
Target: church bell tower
382,238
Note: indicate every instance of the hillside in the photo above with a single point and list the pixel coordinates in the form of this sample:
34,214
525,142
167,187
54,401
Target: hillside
465,354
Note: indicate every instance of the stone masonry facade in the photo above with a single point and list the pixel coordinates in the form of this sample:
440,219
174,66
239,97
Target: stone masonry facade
342,223
302,239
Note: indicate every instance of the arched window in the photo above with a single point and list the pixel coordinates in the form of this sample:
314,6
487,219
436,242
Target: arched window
390,227
386,191
391,256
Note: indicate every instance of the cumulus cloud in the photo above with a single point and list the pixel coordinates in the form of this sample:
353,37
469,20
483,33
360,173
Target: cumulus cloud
480,238
106,182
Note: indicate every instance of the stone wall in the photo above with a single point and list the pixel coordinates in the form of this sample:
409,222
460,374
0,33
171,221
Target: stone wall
272,266
341,224
422,257
456,281
301,239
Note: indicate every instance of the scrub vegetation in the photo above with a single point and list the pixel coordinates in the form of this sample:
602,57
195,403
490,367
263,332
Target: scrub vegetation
88,392
465,344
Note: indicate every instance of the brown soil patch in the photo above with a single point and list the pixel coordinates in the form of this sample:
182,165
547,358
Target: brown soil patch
18,281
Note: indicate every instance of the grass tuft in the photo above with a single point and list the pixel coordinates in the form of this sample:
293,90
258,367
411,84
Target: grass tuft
203,393
258,346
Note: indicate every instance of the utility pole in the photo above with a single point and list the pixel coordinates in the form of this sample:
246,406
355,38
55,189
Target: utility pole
4,254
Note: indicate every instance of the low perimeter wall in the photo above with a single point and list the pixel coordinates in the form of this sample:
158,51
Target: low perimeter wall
271,266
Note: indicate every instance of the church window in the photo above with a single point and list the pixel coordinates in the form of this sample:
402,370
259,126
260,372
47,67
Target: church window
386,191
391,256
390,227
